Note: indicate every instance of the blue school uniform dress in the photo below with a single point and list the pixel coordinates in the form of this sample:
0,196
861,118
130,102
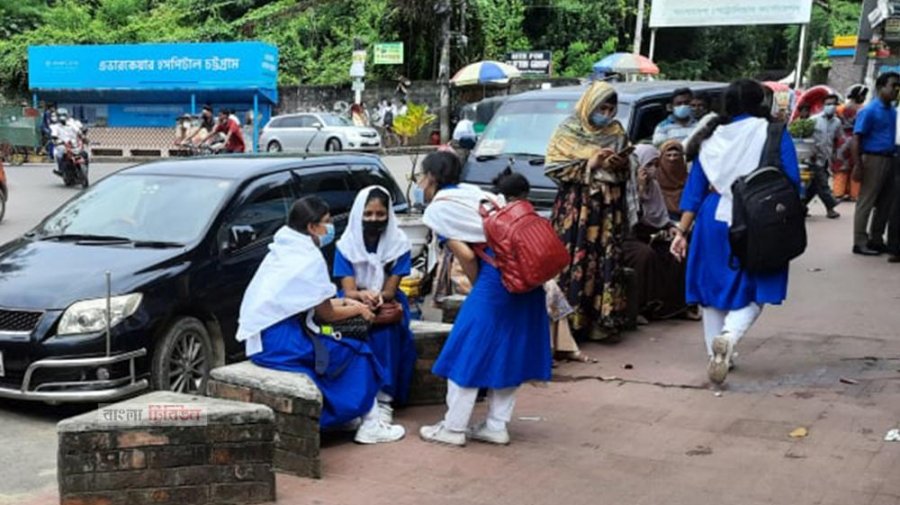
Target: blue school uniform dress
350,382
393,345
499,339
711,280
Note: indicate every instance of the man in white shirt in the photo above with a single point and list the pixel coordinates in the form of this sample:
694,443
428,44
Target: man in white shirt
65,130
828,128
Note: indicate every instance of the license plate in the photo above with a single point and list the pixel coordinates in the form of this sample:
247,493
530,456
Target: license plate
2,369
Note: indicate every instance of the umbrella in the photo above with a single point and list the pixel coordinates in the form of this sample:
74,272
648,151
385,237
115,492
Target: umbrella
626,63
485,72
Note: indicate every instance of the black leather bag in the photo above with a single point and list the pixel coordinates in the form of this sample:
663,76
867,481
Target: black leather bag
768,227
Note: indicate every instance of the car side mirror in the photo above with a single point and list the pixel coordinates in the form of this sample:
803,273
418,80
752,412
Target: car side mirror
240,236
467,142
317,125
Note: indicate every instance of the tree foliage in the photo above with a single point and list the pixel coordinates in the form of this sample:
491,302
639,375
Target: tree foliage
316,37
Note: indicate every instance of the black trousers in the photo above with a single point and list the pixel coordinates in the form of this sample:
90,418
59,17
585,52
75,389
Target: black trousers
893,243
819,186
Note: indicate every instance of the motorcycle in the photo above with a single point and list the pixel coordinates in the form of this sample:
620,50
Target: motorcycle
75,163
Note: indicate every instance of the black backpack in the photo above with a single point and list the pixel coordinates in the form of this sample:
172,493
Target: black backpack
768,227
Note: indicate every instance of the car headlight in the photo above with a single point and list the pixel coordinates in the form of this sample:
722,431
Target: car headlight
89,316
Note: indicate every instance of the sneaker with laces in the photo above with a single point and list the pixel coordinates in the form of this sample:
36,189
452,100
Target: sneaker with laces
717,369
378,432
386,413
482,433
439,434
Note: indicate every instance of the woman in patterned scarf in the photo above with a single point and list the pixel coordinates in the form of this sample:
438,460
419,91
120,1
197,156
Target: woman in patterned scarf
589,158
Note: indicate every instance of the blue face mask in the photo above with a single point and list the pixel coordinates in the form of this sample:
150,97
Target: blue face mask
830,110
600,120
682,111
328,238
418,196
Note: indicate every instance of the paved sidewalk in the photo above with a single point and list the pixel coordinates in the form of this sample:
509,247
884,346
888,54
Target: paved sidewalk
657,434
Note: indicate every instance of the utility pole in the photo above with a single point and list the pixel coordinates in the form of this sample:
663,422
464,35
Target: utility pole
445,10
639,28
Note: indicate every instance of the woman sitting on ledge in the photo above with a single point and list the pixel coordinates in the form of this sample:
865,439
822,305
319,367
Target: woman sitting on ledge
290,296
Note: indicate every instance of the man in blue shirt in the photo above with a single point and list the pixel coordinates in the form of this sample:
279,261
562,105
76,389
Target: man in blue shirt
873,150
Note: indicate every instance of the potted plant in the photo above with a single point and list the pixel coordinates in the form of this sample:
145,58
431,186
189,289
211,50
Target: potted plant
409,126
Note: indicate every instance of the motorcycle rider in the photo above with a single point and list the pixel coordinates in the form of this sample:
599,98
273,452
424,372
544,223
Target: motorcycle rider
65,130
234,137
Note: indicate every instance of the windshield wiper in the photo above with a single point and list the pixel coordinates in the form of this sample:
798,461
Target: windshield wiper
156,244
110,239
86,237
536,161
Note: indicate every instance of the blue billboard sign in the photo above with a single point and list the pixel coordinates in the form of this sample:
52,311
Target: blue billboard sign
137,67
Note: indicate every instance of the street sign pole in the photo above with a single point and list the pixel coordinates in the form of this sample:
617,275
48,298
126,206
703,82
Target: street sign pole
798,77
639,27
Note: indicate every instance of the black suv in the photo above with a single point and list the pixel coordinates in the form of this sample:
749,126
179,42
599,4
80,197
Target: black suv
522,128
162,252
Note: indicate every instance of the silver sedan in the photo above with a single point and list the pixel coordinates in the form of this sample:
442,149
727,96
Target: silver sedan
317,132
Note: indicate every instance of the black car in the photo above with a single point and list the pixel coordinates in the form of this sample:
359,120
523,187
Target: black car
520,131
179,241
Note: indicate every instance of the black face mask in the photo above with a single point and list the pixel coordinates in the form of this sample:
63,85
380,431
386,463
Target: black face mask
374,227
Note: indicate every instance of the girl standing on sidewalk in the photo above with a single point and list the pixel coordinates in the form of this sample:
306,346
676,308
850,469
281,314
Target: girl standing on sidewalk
731,298
499,339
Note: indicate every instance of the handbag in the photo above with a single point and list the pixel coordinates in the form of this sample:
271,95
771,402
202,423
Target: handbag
356,328
389,313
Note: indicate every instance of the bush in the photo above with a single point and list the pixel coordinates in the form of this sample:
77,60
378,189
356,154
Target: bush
802,128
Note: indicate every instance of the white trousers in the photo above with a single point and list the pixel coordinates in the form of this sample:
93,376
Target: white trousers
461,403
733,323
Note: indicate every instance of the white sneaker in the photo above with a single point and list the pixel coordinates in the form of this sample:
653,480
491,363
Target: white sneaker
482,433
377,432
722,349
386,413
437,433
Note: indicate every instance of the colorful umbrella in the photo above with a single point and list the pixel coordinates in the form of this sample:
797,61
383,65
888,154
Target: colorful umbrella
485,72
626,63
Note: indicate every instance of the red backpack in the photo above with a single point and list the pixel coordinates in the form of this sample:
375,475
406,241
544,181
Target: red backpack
527,250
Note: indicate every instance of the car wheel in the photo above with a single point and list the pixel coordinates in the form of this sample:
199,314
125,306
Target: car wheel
274,147
183,358
333,145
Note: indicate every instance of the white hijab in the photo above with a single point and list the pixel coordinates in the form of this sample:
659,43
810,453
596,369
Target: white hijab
293,278
368,268
454,213
733,151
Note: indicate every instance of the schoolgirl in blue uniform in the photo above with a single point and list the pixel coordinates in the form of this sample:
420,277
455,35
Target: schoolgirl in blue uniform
289,298
372,256
499,340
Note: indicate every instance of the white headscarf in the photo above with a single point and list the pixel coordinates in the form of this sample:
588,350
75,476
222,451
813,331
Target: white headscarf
733,151
293,278
368,268
454,213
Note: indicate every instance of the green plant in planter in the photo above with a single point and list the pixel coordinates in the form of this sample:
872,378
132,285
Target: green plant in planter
802,128
410,125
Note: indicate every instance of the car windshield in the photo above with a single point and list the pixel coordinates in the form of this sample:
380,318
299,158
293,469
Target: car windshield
525,127
332,120
141,208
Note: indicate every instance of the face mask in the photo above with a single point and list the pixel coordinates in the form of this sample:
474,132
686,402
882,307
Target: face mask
830,110
375,227
599,120
186,125
328,238
418,195
682,111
